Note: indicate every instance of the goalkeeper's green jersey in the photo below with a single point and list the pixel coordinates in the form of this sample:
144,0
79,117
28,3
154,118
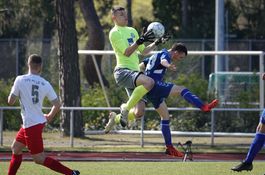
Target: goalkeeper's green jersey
121,38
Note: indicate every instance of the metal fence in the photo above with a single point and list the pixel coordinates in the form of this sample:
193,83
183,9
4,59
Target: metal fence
143,132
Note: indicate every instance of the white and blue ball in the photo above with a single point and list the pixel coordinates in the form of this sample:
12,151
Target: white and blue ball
157,28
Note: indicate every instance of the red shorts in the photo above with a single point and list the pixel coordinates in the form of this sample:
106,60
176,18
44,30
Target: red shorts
32,138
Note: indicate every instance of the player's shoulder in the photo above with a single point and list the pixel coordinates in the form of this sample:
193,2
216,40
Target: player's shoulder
131,28
164,53
114,33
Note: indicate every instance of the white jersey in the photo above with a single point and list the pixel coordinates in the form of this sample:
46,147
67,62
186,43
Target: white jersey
31,90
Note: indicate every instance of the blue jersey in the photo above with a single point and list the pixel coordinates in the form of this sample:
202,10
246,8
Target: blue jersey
154,68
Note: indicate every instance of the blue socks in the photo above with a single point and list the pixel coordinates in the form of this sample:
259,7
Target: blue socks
192,99
255,147
166,131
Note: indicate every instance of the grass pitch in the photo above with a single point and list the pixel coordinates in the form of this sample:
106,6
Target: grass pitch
140,168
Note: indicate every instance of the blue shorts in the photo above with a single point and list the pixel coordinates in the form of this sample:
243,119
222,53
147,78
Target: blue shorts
262,117
159,92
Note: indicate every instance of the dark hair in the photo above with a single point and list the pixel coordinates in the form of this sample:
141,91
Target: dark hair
180,47
117,8
35,59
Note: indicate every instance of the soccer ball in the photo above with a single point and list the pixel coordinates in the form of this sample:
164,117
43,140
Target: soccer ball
157,28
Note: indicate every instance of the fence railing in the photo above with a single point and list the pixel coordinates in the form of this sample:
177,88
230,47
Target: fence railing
142,132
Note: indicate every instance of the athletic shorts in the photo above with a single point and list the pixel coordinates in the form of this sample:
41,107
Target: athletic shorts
32,138
160,91
262,117
126,78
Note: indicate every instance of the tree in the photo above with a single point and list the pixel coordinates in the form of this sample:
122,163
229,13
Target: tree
129,11
69,65
172,12
254,13
96,41
48,9
17,20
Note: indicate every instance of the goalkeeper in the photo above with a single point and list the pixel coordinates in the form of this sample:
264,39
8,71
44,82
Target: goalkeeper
126,44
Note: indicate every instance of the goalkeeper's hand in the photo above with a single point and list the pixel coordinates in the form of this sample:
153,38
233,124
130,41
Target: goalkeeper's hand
163,39
147,36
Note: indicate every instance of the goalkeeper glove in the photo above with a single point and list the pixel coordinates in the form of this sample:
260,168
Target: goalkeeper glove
147,36
163,39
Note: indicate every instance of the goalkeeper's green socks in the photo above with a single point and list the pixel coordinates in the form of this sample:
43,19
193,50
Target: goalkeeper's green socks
131,117
136,96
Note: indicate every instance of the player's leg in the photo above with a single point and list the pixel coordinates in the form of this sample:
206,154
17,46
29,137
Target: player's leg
139,83
144,85
34,142
165,128
192,99
255,147
16,158
134,113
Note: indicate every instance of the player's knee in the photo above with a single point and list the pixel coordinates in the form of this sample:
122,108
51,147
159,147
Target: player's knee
15,149
261,128
138,114
176,90
39,159
150,83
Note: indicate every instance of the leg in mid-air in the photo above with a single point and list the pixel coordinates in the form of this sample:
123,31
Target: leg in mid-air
165,128
192,99
255,147
53,164
144,85
134,113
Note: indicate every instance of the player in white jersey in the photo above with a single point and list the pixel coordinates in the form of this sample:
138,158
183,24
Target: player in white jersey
31,89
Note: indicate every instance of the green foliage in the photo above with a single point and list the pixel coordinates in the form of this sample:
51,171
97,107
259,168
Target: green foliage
94,97
12,119
20,18
254,13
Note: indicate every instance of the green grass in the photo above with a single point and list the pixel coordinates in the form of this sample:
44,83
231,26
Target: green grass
140,168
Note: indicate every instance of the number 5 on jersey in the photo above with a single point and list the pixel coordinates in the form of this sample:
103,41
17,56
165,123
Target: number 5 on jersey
35,94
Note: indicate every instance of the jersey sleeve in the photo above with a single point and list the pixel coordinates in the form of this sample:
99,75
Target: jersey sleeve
165,56
117,42
15,87
51,93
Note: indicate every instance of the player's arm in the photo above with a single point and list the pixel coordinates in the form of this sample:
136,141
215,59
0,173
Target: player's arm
11,99
147,36
149,48
14,93
132,48
55,109
142,67
166,64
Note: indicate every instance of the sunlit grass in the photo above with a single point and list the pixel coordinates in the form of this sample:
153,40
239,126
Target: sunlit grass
139,168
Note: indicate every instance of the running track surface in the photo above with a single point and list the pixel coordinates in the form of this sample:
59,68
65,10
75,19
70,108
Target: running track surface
134,156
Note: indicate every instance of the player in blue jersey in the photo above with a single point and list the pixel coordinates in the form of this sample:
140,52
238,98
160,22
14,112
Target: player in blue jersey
155,67
257,144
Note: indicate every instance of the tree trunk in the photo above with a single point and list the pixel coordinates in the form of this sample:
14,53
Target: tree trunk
129,11
69,66
48,27
184,18
96,41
